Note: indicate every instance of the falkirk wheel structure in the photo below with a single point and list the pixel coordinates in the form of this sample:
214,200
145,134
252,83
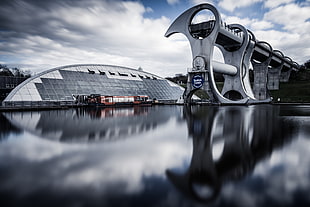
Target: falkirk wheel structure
240,49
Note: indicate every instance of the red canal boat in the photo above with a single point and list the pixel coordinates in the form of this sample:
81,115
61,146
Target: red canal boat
100,100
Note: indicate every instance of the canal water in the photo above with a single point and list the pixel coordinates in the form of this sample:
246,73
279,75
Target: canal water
156,156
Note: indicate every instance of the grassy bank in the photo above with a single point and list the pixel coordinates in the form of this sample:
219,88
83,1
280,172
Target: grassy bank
293,92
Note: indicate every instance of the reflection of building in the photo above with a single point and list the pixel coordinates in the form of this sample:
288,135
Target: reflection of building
61,85
227,144
6,127
91,124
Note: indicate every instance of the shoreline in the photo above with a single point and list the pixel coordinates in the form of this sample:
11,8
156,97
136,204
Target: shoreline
41,108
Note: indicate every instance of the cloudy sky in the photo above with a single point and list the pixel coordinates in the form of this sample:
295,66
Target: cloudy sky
39,35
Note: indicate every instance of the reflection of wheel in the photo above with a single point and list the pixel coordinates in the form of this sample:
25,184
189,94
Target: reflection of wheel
199,187
205,192
217,140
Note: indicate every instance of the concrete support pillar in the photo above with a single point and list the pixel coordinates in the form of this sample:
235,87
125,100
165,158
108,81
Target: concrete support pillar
260,70
287,69
285,76
274,78
260,79
196,81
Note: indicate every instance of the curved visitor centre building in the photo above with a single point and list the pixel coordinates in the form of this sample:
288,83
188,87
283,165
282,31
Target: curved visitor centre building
62,85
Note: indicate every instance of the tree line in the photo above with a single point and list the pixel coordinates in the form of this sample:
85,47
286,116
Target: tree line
303,74
14,72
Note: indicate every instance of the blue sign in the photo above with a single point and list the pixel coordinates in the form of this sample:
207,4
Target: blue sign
197,81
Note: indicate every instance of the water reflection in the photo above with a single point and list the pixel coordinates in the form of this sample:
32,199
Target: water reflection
117,171
7,128
227,144
229,156
89,124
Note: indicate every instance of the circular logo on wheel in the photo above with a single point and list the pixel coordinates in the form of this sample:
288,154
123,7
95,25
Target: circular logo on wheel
197,81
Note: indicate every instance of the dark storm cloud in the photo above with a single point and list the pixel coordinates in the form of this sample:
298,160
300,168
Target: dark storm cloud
35,17
55,33
22,20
